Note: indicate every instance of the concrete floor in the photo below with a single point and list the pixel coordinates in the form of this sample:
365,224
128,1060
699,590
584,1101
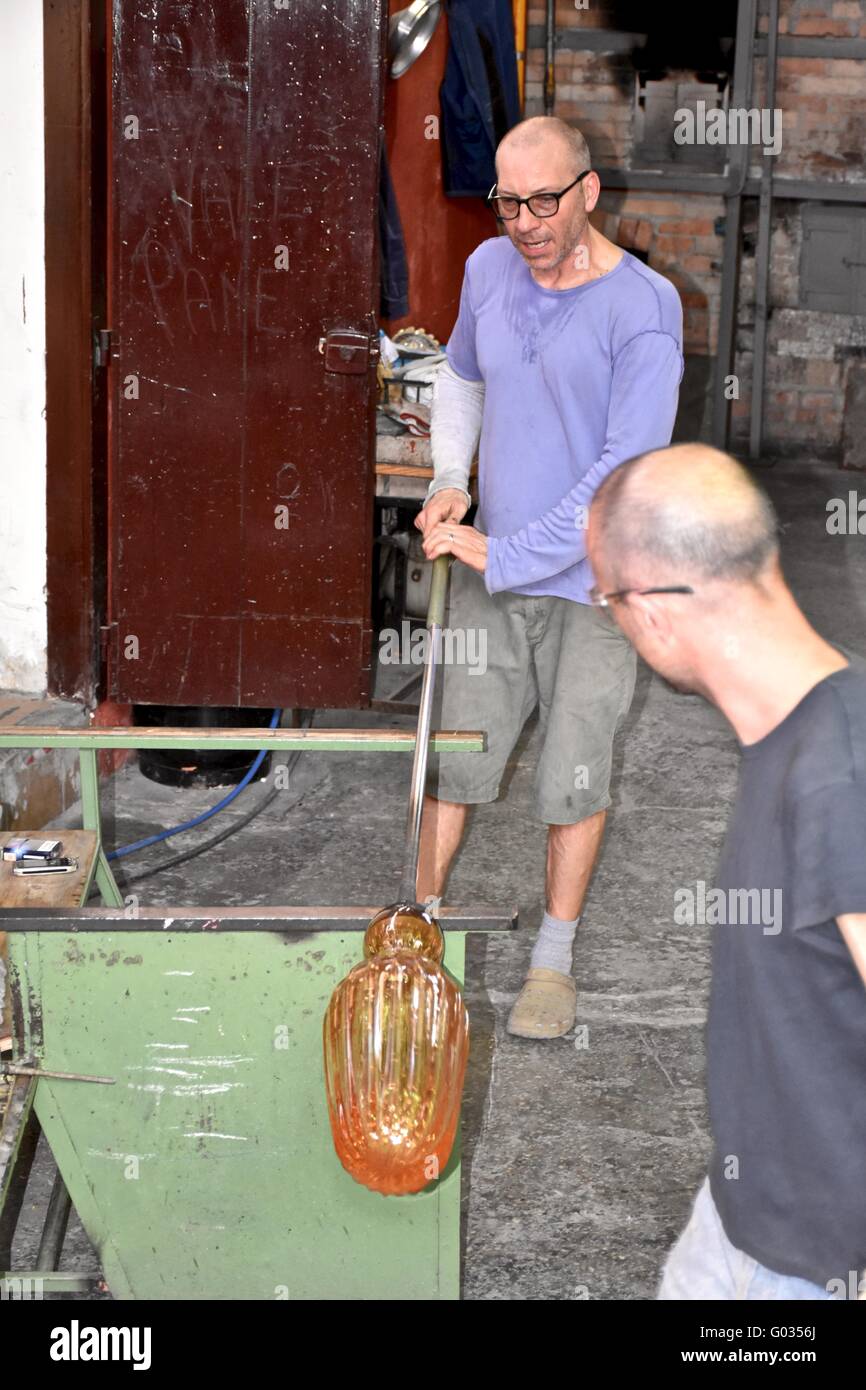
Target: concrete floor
580,1162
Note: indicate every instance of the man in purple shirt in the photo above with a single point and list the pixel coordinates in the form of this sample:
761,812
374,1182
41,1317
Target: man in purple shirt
566,360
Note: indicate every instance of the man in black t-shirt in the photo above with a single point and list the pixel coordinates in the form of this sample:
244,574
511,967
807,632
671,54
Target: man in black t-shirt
685,554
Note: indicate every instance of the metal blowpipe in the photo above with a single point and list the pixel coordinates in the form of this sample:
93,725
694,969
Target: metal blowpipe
435,620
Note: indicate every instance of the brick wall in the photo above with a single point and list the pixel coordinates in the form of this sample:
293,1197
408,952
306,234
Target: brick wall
593,90
823,104
681,241
810,355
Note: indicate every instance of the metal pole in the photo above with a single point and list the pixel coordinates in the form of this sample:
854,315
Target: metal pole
54,1230
739,168
550,61
91,819
519,13
435,619
762,255
19,1136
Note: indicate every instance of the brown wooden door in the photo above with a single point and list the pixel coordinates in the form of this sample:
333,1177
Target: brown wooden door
243,196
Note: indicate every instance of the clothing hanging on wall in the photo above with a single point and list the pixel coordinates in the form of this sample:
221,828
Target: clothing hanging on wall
478,97
393,265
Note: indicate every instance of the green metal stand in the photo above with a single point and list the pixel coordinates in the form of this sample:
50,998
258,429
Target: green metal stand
207,1169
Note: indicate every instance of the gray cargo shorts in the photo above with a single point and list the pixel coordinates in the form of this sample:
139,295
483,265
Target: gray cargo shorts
503,655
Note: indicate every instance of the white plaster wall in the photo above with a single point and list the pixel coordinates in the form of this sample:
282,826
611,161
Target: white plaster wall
22,349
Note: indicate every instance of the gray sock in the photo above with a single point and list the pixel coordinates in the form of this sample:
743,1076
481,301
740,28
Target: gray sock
552,949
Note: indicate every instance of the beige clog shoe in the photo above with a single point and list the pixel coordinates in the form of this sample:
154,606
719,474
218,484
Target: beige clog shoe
545,1007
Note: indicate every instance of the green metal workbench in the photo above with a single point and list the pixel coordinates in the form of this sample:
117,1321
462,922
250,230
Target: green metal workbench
206,1169
87,743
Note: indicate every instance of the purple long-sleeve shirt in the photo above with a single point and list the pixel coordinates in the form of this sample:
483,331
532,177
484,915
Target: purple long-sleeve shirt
576,381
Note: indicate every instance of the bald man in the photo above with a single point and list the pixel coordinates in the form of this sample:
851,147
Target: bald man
566,359
685,553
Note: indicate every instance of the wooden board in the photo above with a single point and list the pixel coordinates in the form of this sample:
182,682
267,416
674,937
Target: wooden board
47,890
145,736
43,890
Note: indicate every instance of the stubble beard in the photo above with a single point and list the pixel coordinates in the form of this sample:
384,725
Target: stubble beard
562,251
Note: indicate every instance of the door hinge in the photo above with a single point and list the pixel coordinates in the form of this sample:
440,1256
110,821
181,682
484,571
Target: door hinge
102,347
349,351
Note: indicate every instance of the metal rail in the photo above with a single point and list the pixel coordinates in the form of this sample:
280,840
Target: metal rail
87,742
291,740
762,253
283,920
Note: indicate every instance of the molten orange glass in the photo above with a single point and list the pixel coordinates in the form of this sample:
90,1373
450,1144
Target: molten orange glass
396,1038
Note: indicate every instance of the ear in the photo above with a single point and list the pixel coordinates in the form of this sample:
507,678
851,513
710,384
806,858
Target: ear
591,190
653,618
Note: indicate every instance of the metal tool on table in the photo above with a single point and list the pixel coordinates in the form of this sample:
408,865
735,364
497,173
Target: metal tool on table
419,357
29,856
396,1032
25,850
60,865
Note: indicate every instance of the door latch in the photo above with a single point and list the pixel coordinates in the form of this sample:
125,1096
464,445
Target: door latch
349,351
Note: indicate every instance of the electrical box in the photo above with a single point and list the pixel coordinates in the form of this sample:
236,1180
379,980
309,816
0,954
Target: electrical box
833,259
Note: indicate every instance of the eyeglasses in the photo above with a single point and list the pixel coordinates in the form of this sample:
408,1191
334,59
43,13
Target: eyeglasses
539,204
603,600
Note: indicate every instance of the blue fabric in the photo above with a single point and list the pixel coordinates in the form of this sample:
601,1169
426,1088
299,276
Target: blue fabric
478,97
576,381
393,266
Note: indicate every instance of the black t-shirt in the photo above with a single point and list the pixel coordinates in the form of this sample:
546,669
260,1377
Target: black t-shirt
786,1044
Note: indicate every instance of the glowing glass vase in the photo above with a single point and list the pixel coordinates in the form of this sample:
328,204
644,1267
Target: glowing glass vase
396,1033
396,1037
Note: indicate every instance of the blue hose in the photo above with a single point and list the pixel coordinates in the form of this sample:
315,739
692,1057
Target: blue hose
205,815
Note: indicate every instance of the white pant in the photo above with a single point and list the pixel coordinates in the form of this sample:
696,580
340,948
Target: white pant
704,1265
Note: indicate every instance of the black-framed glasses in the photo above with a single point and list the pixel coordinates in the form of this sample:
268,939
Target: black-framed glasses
599,600
539,204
